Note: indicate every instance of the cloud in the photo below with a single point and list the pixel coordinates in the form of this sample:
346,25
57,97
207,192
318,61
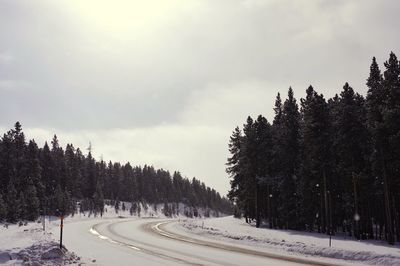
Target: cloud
7,85
143,75
6,57
228,105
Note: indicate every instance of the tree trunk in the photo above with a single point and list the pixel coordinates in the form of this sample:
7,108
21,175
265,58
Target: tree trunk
389,226
257,207
356,226
325,204
269,208
330,213
395,219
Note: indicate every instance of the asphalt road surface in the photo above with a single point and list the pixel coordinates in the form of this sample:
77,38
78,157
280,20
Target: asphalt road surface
150,242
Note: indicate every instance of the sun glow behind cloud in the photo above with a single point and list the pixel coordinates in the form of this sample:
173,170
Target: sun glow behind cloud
124,18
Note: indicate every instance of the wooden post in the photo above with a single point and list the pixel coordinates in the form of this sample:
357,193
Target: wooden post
330,218
61,230
269,207
44,223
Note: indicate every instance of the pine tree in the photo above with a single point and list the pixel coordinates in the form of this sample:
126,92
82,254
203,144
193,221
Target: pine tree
61,202
233,168
248,170
98,200
376,105
263,167
129,188
139,209
132,209
288,147
13,205
391,116
277,135
351,144
91,177
46,163
32,203
278,110
116,205
35,187
6,161
78,173
57,159
316,144
18,157
23,207
3,209
237,169
177,183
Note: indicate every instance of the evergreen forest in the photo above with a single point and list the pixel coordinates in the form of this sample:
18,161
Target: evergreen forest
325,165
52,181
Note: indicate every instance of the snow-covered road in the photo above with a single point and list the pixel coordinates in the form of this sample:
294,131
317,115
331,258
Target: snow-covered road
149,242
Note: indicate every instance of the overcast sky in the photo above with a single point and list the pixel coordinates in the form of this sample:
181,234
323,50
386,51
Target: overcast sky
165,82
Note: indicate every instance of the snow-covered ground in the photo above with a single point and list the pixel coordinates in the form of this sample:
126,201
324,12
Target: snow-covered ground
122,239
236,231
29,244
115,239
26,243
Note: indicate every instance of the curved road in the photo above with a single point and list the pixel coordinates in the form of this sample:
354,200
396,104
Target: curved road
150,242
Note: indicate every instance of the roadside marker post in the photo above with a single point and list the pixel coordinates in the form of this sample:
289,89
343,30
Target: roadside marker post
61,230
44,222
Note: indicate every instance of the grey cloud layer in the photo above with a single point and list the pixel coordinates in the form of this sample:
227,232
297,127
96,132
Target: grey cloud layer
205,64
81,73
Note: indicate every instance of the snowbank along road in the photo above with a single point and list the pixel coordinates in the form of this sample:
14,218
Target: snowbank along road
150,242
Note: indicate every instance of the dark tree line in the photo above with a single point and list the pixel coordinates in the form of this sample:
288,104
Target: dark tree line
327,165
51,181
